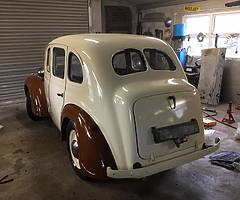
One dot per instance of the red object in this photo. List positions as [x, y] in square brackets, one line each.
[229, 118]
[209, 123]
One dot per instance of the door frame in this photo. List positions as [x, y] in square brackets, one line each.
[56, 114]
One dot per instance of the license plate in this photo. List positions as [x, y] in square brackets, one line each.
[175, 132]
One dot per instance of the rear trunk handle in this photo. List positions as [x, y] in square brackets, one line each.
[60, 94]
[173, 99]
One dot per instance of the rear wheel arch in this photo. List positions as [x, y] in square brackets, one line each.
[29, 106]
[92, 142]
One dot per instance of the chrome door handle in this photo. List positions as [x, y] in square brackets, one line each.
[60, 94]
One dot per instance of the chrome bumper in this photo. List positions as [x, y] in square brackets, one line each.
[162, 166]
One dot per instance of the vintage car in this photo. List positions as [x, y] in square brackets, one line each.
[122, 102]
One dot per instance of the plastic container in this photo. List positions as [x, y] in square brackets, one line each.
[182, 55]
[179, 30]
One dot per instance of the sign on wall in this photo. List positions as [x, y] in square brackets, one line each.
[191, 8]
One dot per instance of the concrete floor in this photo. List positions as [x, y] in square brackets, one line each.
[33, 155]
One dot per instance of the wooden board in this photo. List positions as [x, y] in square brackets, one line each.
[210, 80]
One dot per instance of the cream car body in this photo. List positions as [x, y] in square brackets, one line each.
[127, 107]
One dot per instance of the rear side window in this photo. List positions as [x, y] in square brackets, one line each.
[75, 72]
[58, 62]
[128, 61]
[158, 60]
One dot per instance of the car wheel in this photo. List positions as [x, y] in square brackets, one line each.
[30, 113]
[73, 150]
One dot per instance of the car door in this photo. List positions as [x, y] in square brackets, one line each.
[57, 83]
[47, 72]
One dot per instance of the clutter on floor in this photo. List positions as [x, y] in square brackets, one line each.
[227, 121]
[212, 113]
[3, 181]
[208, 123]
[237, 134]
[229, 117]
[227, 159]
[210, 135]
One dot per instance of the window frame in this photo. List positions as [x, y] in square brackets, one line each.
[125, 51]
[211, 33]
[53, 62]
[48, 59]
[81, 64]
[165, 55]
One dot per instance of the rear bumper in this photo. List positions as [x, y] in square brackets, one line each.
[162, 166]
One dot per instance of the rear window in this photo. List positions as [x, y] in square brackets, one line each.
[158, 60]
[129, 61]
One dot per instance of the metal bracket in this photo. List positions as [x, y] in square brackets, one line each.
[179, 141]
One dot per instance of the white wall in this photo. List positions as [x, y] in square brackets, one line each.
[231, 80]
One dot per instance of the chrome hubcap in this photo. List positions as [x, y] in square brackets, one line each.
[74, 148]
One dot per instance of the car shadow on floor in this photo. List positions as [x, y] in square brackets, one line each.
[164, 185]
[23, 118]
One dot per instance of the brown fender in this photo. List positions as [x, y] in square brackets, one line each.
[95, 154]
[34, 85]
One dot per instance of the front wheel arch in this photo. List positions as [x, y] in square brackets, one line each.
[26, 90]
[29, 107]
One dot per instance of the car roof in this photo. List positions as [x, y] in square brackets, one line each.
[97, 50]
[106, 40]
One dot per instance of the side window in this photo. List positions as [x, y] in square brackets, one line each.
[75, 72]
[58, 62]
[128, 62]
[48, 59]
[158, 60]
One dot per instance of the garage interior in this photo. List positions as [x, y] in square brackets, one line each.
[206, 38]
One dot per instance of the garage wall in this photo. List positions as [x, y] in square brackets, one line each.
[97, 23]
[120, 3]
[95, 16]
[26, 27]
[231, 81]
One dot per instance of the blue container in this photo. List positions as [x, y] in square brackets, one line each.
[179, 30]
[182, 55]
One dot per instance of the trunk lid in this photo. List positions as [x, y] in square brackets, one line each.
[164, 120]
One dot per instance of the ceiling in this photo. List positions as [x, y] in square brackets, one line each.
[146, 4]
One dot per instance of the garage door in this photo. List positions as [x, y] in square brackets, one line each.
[26, 27]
